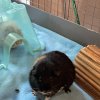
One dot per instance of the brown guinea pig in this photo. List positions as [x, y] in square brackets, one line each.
[51, 72]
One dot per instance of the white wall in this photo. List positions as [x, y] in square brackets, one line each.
[25, 1]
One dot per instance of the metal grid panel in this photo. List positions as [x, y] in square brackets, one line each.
[88, 10]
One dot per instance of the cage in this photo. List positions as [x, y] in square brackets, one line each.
[82, 12]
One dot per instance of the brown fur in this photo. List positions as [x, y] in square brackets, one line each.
[49, 74]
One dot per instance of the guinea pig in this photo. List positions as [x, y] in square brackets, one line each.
[52, 72]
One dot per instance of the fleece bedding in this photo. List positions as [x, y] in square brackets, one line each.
[14, 83]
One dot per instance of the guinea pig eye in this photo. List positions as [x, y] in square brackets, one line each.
[40, 79]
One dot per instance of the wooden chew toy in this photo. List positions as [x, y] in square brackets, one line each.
[87, 66]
